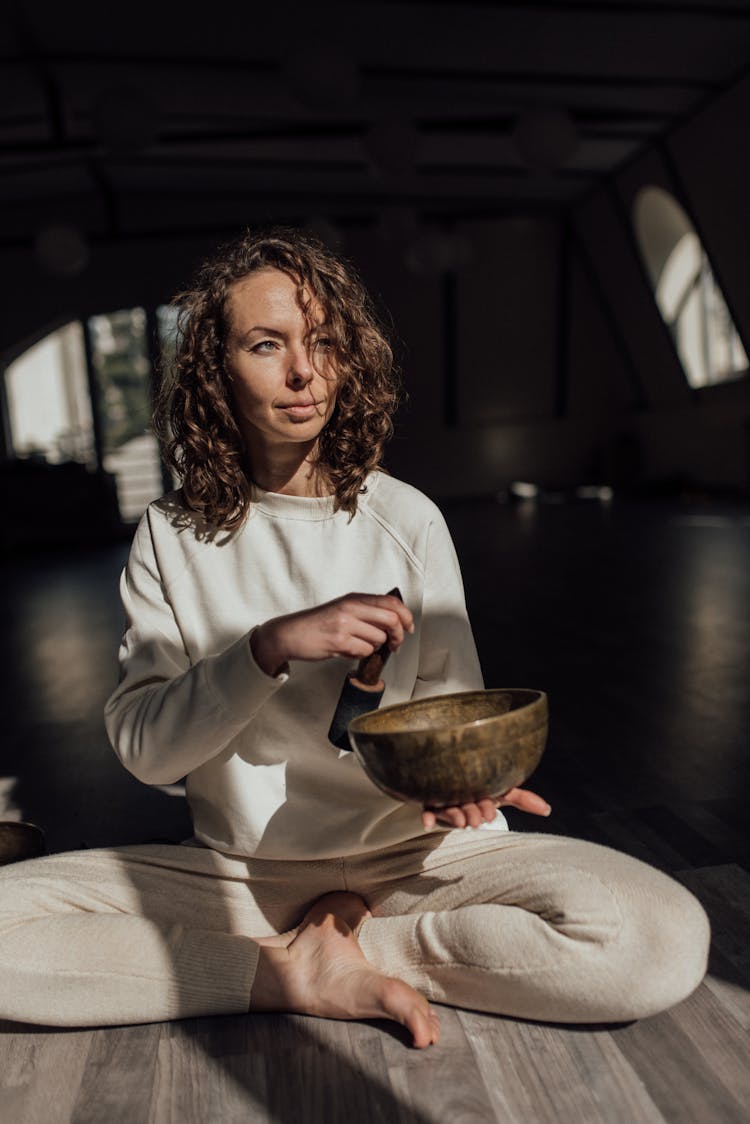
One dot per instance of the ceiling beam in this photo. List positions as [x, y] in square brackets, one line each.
[603, 7]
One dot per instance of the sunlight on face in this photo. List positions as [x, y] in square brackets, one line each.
[280, 364]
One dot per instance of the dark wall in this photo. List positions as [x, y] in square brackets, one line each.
[545, 356]
[120, 275]
[526, 383]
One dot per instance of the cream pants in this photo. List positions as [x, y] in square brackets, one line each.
[529, 925]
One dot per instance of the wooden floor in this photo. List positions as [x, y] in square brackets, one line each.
[635, 620]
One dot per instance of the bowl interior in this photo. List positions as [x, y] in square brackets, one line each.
[444, 712]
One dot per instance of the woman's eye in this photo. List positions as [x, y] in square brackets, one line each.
[263, 345]
[324, 343]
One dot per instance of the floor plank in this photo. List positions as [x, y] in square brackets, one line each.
[729, 986]
[724, 893]
[626, 832]
[690, 847]
[555, 1075]
[728, 844]
[721, 1039]
[41, 1073]
[677, 1074]
[117, 1080]
[441, 1083]
[194, 1081]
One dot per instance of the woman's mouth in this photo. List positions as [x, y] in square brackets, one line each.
[300, 409]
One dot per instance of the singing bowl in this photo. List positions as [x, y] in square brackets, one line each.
[20, 840]
[453, 749]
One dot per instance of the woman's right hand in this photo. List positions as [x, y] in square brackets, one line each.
[350, 627]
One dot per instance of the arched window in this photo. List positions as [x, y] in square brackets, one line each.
[49, 409]
[686, 291]
[50, 412]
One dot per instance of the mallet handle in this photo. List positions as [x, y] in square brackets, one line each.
[370, 668]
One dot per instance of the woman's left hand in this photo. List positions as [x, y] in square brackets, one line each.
[484, 811]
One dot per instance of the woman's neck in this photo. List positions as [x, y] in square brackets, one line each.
[291, 473]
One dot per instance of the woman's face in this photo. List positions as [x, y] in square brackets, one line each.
[280, 368]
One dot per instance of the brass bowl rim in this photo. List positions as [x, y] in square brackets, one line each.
[21, 823]
[540, 699]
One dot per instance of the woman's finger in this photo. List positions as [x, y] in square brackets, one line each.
[386, 603]
[361, 615]
[402, 611]
[369, 634]
[525, 801]
[454, 817]
[473, 814]
[488, 810]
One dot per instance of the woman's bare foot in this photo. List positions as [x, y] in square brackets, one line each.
[319, 969]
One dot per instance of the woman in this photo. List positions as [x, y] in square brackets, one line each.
[305, 888]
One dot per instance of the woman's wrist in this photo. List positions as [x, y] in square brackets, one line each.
[266, 650]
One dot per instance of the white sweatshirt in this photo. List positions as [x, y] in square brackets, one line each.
[262, 777]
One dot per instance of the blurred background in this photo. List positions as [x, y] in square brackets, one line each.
[549, 203]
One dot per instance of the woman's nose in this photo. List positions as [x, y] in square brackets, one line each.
[300, 368]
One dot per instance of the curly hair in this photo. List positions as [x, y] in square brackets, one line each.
[194, 419]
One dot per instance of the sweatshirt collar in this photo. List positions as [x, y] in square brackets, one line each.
[279, 506]
[309, 508]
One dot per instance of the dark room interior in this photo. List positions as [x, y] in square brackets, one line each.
[549, 202]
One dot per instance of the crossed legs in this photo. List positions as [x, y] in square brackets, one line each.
[534, 926]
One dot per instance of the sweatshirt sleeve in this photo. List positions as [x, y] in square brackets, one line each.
[448, 658]
[168, 716]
